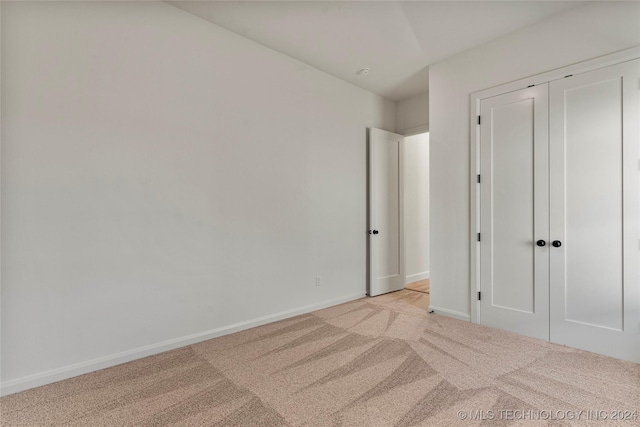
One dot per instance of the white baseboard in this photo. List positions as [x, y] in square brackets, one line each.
[451, 313]
[415, 277]
[70, 371]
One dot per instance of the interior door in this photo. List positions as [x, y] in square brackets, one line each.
[514, 194]
[594, 211]
[386, 264]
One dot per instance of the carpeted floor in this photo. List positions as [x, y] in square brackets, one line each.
[372, 362]
[417, 299]
[419, 286]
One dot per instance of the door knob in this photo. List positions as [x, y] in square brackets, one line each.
[557, 243]
[375, 231]
[541, 243]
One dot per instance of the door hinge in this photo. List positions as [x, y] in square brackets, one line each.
[478, 178]
[478, 119]
[479, 296]
[478, 237]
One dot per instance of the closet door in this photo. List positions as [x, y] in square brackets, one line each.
[514, 278]
[594, 211]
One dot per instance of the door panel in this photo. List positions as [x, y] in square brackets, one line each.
[595, 286]
[385, 219]
[593, 203]
[512, 179]
[514, 213]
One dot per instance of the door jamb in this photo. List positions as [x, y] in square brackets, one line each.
[474, 157]
[403, 261]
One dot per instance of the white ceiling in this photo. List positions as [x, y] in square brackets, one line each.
[398, 40]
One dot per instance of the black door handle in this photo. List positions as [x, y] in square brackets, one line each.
[556, 243]
[375, 231]
[541, 243]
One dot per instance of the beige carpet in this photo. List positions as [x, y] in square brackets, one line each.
[417, 299]
[372, 362]
[419, 286]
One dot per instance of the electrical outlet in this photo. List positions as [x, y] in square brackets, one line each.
[318, 281]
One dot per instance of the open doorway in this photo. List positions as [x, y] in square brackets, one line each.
[416, 217]
[398, 216]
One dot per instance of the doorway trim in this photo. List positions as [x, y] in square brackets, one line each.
[474, 157]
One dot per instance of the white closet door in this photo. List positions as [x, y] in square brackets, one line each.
[386, 263]
[514, 278]
[594, 211]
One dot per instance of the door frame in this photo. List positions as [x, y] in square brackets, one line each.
[474, 157]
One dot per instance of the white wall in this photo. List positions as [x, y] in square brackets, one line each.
[413, 114]
[416, 207]
[579, 34]
[163, 177]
